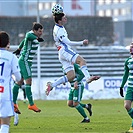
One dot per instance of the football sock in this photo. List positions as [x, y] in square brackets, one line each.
[130, 112]
[15, 92]
[85, 71]
[132, 123]
[81, 110]
[60, 80]
[24, 93]
[83, 105]
[29, 94]
[4, 128]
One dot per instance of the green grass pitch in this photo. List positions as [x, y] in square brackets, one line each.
[109, 116]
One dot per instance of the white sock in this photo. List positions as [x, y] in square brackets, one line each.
[86, 105]
[85, 71]
[4, 128]
[60, 80]
[86, 118]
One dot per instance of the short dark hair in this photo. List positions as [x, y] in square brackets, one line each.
[4, 39]
[58, 17]
[36, 26]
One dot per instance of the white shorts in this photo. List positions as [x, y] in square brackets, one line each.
[6, 108]
[67, 57]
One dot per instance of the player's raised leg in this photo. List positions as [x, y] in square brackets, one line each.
[81, 61]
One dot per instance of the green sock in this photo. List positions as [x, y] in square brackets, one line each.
[130, 112]
[81, 110]
[15, 92]
[132, 123]
[83, 105]
[29, 94]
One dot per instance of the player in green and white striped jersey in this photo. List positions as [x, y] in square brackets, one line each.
[29, 46]
[76, 92]
[128, 76]
[75, 95]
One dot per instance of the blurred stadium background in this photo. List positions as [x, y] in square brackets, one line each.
[106, 23]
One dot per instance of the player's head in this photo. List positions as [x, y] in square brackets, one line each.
[4, 39]
[60, 18]
[37, 29]
[131, 48]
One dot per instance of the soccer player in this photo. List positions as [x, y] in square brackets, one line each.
[16, 116]
[66, 55]
[8, 67]
[75, 95]
[128, 76]
[30, 45]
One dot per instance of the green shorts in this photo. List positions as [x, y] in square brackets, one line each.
[129, 94]
[76, 94]
[25, 69]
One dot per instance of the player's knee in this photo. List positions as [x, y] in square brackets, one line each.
[81, 61]
[70, 105]
[75, 104]
[71, 77]
[19, 83]
[28, 81]
[127, 107]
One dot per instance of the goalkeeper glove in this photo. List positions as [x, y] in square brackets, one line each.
[40, 40]
[121, 91]
[17, 52]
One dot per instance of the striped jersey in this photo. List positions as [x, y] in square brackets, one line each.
[30, 46]
[61, 38]
[128, 73]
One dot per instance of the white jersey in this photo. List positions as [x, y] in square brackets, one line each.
[61, 37]
[66, 55]
[8, 66]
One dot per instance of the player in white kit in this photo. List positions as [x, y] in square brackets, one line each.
[8, 67]
[66, 55]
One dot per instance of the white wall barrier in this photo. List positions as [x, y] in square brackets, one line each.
[104, 88]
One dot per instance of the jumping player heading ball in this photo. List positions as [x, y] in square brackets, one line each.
[67, 56]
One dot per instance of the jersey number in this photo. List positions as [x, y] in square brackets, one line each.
[1, 68]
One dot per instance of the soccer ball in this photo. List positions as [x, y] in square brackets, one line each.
[57, 9]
